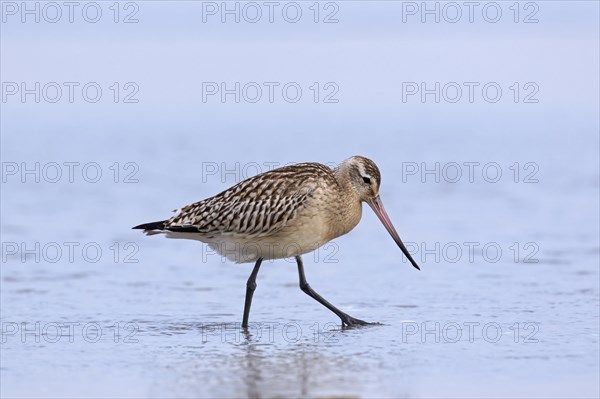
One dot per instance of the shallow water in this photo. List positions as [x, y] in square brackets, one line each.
[506, 303]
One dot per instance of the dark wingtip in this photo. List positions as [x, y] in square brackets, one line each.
[151, 226]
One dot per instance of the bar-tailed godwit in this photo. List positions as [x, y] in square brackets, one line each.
[283, 213]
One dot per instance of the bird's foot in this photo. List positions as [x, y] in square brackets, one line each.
[349, 321]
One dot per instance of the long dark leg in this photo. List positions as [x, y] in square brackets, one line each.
[250, 287]
[346, 319]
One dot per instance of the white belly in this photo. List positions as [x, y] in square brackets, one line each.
[302, 237]
[240, 250]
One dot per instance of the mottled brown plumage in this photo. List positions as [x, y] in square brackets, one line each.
[258, 206]
[283, 213]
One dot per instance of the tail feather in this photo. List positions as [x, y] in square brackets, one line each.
[151, 226]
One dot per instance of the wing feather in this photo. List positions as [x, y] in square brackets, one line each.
[258, 206]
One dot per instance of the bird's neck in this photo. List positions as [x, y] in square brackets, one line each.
[349, 207]
[342, 175]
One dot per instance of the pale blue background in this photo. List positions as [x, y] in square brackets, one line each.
[173, 290]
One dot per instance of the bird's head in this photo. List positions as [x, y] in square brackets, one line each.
[364, 178]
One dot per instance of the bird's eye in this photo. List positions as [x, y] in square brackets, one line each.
[367, 180]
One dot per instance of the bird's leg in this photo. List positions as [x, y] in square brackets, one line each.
[250, 287]
[304, 286]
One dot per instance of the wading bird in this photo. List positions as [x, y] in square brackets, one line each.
[282, 213]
